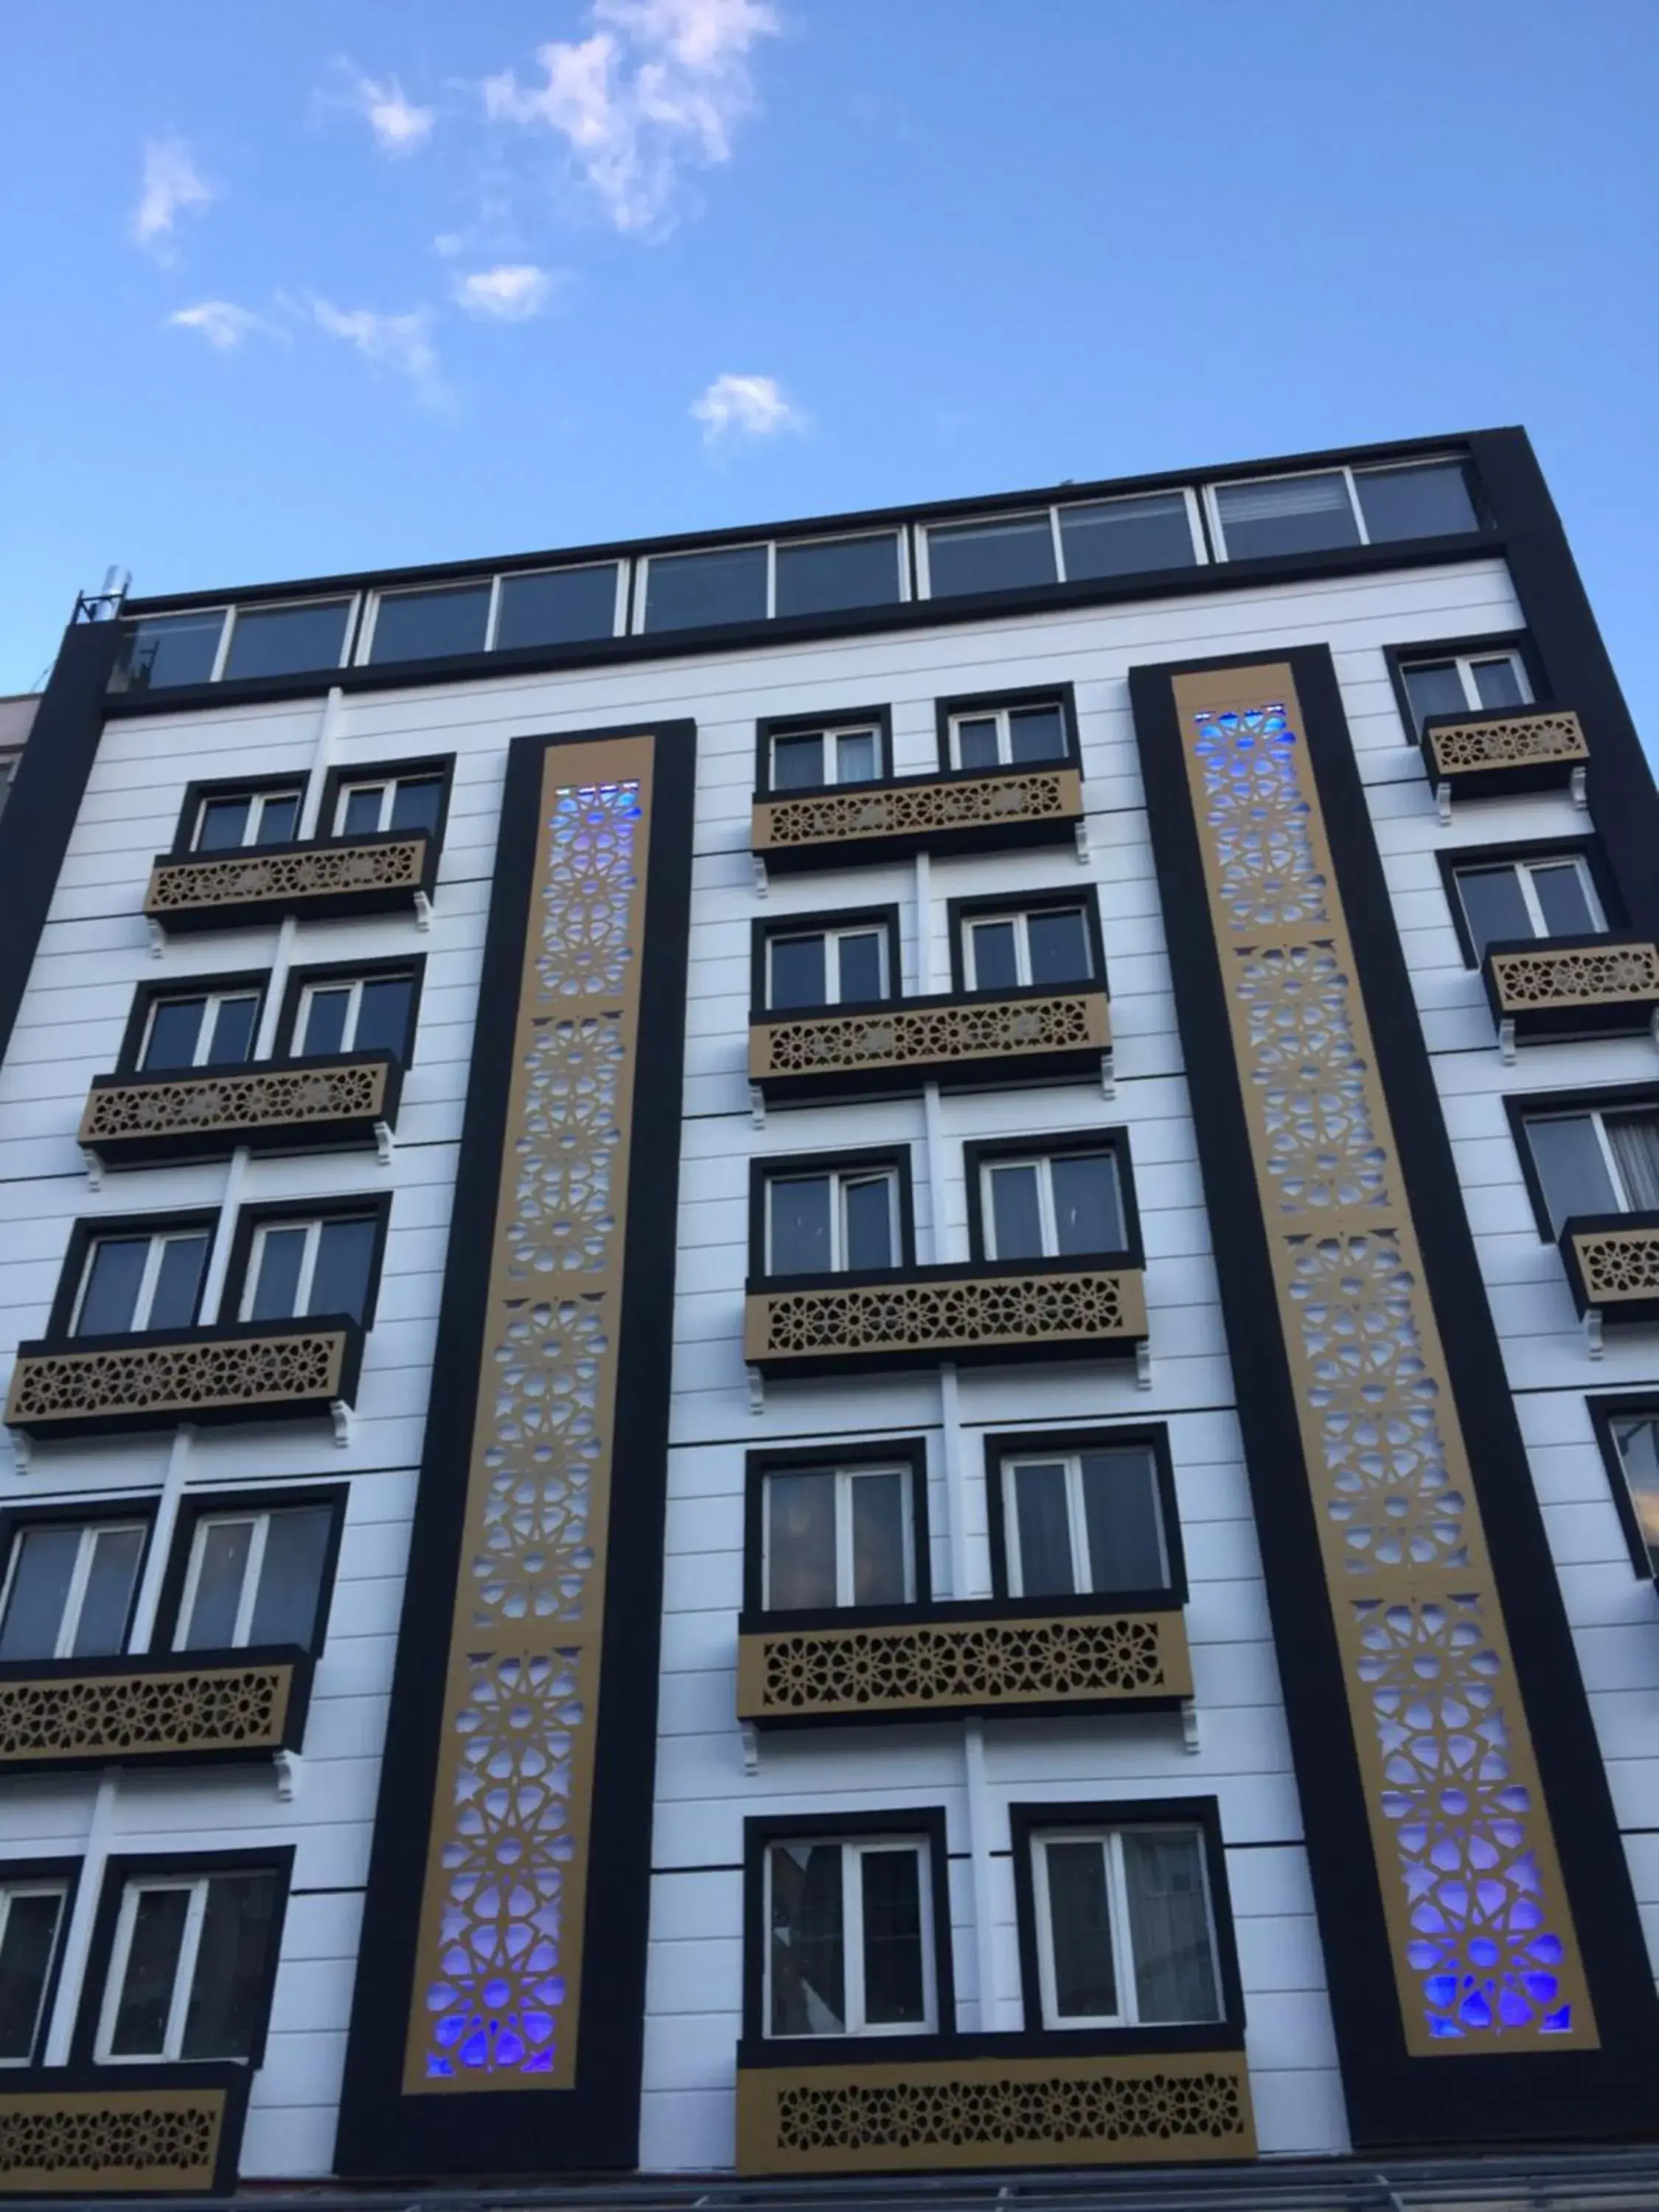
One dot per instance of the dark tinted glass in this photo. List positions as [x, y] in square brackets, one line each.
[1169, 1927]
[223, 824]
[1123, 537]
[860, 967]
[422, 625]
[806, 1961]
[1568, 1157]
[25, 1951]
[1016, 1214]
[1037, 733]
[340, 1282]
[1044, 1530]
[557, 609]
[798, 1208]
[283, 641]
[291, 1577]
[880, 1539]
[895, 1991]
[1085, 1978]
[1492, 906]
[1420, 503]
[1120, 1512]
[174, 1026]
[798, 972]
[107, 1597]
[360, 814]
[170, 649]
[383, 1015]
[848, 572]
[177, 1281]
[279, 820]
[233, 1032]
[995, 956]
[1434, 687]
[990, 557]
[800, 1542]
[1291, 514]
[1060, 946]
[976, 741]
[222, 1557]
[277, 1287]
[687, 591]
[416, 803]
[113, 1276]
[798, 762]
[1498, 682]
[326, 1020]
[1638, 1454]
[869, 1223]
[40, 1582]
[858, 757]
[140, 2018]
[1087, 1218]
[1560, 893]
[228, 1983]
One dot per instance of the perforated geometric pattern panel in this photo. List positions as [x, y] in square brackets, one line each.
[900, 1036]
[1518, 742]
[1619, 1263]
[1577, 975]
[1088, 1306]
[320, 872]
[148, 1715]
[265, 1098]
[182, 1378]
[56, 2142]
[830, 817]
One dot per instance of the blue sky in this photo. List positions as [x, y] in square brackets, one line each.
[311, 286]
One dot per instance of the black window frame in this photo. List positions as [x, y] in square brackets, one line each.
[22, 2075]
[1064, 695]
[420, 767]
[1056, 1144]
[1603, 1412]
[348, 971]
[146, 994]
[196, 1506]
[959, 912]
[1001, 1444]
[197, 795]
[86, 1230]
[886, 918]
[336, 1205]
[858, 1160]
[1587, 846]
[76, 1513]
[908, 1451]
[805, 725]
[1518, 642]
[1520, 1106]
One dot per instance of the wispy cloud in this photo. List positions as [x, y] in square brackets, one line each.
[659, 83]
[739, 407]
[399, 125]
[172, 183]
[512, 293]
[402, 344]
[221, 322]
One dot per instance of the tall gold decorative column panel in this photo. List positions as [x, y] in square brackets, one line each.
[1454, 1877]
[502, 1970]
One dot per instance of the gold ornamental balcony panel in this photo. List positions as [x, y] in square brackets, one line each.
[1612, 1265]
[206, 1112]
[157, 1710]
[918, 814]
[956, 1663]
[326, 878]
[909, 1041]
[1510, 749]
[143, 2130]
[1574, 986]
[247, 1371]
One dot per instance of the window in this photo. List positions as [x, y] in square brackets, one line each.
[424, 625]
[1010, 951]
[819, 576]
[839, 1220]
[1095, 537]
[165, 650]
[837, 1536]
[1419, 499]
[1008, 736]
[808, 760]
[997, 555]
[1635, 1440]
[1089, 1522]
[355, 1013]
[405, 803]
[300, 1268]
[1597, 1161]
[1125, 1933]
[1054, 1207]
[130, 1283]
[190, 1967]
[1465, 683]
[1327, 509]
[557, 606]
[226, 822]
[208, 1028]
[286, 640]
[254, 1577]
[826, 968]
[1127, 537]
[689, 591]
[849, 1938]
[1553, 896]
[67, 1589]
[31, 1918]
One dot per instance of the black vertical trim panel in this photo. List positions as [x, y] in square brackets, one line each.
[595, 2124]
[1393, 2099]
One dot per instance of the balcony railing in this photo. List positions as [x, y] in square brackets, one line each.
[161, 1709]
[967, 1658]
[391, 872]
[1613, 1267]
[337, 1100]
[972, 1313]
[958, 1038]
[266, 1370]
[1509, 749]
[1572, 987]
[962, 812]
[89, 2133]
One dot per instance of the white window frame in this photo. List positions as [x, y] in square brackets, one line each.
[147, 1280]
[854, 1850]
[353, 608]
[194, 614]
[257, 802]
[259, 1518]
[828, 734]
[832, 939]
[1596, 1116]
[1003, 718]
[1465, 664]
[1117, 1893]
[314, 1228]
[1343, 469]
[1020, 916]
[183, 1972]
[388, 786]
[371, 620]
[1188, 495]
[1046, 1221]
[1077, 1519]
[75, 1596]
[844, 1479]
[39, 1885]
[619, 602]
[841, 1180]
[769, 545]
[353, 987]
[1523, 869]
[925, 527]
[216, 1000]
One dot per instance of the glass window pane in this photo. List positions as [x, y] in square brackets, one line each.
[174, 1026]
[995, 964]
[860, 967]
[140, 2018]
[798, 762]
[1498, 682]
[1080, 1924]
[1121, 1516]
[1561, 897]
[1016, 1212]
[806, 1957]
[326, 1020]
[416, 802]
[277, 1285]
[39, 1590]
[798, 1213]
[1169, 1926]
[869, 1221]
[222, 1550]
[686, 590]
[1494, 906]
[1087, 1217]
[800, 1542]
[858, 757]
[223, 824]
[1570, 1168]
[1634, 1141]
[234, 1023]
[895, 1987]
[976, 742]
[990, 557]
[422, 625]
[25, 1949]
[340, 1283]
[1434, 687]
[880, 1538]
[177, 1281]
[226, 1989]
[558, 609]
[279, 820]
[798, 972]
[1060, 947]
[113, 1276]
[1415, 502]
[1292, 514]
[1123, 537]
[106, 1599]
[847, 572]
[171, 649]
[361, 815]
[291, 1577]
[1037, 733]
[1044, 1526]
[1638, 1454]
[283, 640]
[383, 1014]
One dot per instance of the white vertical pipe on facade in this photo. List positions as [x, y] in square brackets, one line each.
[160, 1541]
[77, 1936]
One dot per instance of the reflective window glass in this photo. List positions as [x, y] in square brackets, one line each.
[221, 2020]
[1563, 899]
[800, 1542]
[286, 641]
[1638, 1441]
[1430, 500]
[164, 650]
[416, 803]
[858, 755]
[1571, 1166]
[360, 814]
[976, 741]
[990, 557]
[1043, 1531]
[690, 591]
[869, 1221]
[880, 1535]
[859, 958]
[559, 606]
[276, 1283]
[30, 1915]
[156, 1939]
[1035, 733]
[1080, 1931]
[279, 820]
[1498, 682]
[424, 625]
[799, 977]
[234, 1021]
[1434, 687]
[339, 1283]
[1169, 1926]
[1494, 906]
[42, 1572]
[1125, 536]
[115, 1275]
[806, 1947]
[1086, 1213]
[798, 762]
[1017, 1210]
[1122, 1521]
[173, 1303]
[223, 824]
[996, 955]
[1060, 946]
[100, 1626]
[326, 1013]
[1287, 515]
[843, 572]
[383, 1014]
[174, 1026]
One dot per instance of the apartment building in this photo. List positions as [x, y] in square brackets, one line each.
[835, 1351]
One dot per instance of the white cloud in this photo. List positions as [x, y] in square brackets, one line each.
[220, 322]
[172, 183]
[400, 343]
[658, 83]
[512, 293]
[744, 407]
[399, 126]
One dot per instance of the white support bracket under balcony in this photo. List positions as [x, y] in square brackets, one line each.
[756, 1390]
[1578, 785]
[762, 883]
[290, 1770]
[1506, 1040]
[340, 1414]
[158, 936]
[756, 1106]
[94, 1167]
[1083, 843]
[422, 911]
[1108, 1074]
[384, 1143]
[1443, 804]
[1144, 1364]
[749, 1738]
[1189, 1738]
[1593, 1332]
